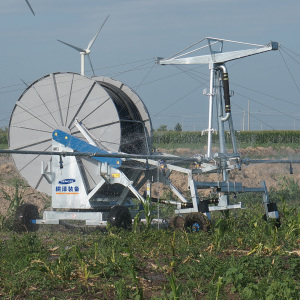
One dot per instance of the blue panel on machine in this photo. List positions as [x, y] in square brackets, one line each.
[82, 146]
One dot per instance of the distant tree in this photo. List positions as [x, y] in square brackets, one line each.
[162, 128]
[4, 130]
[178, 127]
[4, 137]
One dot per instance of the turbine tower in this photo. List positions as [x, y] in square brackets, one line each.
[27, 1]
[87, 51]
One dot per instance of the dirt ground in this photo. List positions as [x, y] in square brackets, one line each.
[250, 175]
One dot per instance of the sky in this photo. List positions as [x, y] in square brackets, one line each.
[266, 86]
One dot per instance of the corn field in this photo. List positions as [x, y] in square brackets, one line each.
[253, 138]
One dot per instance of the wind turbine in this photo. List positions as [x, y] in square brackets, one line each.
[86, 52]
[30, 7]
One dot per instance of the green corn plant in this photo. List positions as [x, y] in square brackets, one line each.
[113, 256]
[2, 221]
[219, 285]
[148, 208]
[220, 229]
[173, 243]
[14, 201]
[136, 222]
[84, 270]
[176, 289]
[139, 294]
[63, 268]
[42, 267]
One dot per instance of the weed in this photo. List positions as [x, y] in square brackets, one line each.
[236, 275]
[122, 291]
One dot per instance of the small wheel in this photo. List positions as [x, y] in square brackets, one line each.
[177, 222]
[119, 216]
[24, 215]
[274, 222]
[196, 222]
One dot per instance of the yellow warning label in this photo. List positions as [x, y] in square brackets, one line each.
[115, 175]
[67, 193]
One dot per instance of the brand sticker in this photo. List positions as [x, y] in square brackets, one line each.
[66, 181]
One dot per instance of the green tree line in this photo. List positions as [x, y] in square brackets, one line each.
[4, 137]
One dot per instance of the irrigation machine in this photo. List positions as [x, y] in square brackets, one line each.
[87, 142]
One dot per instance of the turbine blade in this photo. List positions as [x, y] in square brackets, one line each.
[94, 38]
[91, 64]
[74, 47]
[27, 1]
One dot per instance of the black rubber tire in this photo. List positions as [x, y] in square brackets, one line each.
[120, 217]
[177, 222]
[195, 222]
[23, 216]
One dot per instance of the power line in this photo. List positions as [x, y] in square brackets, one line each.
[256, 117]
[281, 46]
[102, 68]
[290, 73]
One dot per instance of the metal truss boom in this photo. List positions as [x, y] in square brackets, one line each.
[219, 58]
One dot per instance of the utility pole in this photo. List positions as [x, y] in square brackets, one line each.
[248, 115]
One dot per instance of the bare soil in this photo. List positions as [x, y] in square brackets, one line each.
[9, 177]
[250, 175]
